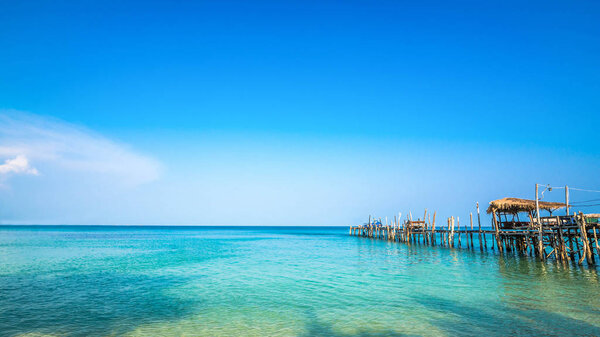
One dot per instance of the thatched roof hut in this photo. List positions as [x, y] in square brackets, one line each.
[516, 205]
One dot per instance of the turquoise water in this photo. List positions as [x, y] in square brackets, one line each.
[140, 281]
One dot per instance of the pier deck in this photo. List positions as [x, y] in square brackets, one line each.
[570, 239]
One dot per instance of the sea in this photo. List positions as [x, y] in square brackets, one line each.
[278, 281]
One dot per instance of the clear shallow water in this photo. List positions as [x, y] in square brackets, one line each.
[136, 281]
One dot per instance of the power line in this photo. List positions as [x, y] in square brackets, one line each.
[583, 202]
[550, 188]
[583, 190]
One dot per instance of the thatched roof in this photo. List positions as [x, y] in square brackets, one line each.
[516, 205]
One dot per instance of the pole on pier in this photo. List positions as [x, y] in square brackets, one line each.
[448, 232]
[424, 229]
[429, 238]
[528, 235]
[596, 240]
[498, 243]
[458, 230]
[452, 233]
[567, 199]
[479, 224]
[471, 233]
[399, 226]
[584, 240]
[561, 244]
[540, 231]
[433, 229]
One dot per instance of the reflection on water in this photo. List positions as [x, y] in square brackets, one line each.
[97, 281]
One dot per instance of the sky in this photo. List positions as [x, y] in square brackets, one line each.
[292, 112]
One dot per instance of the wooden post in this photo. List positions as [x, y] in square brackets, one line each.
[452, 232]
[400, 230]
[424, 229]
[570, 240]
[574, 236]
[429, 233]
[400, 227]
[553, 244]
[471, 234]
[590, 249]
[584, 241]
[540, 230]
[458, 229]
[528, 236]
[596, 240]
[479, 224]
[407, 229]
[384, 230]
[567, 199]
[433, 229]
[448, 233]
[444, 236]
[405, 224]
[561, 243]
[590, 253]
[495, 222]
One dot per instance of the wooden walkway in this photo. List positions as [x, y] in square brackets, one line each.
[569, 239]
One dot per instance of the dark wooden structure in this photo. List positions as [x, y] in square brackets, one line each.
[517, 227]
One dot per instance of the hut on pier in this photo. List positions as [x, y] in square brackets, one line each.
[519, 213]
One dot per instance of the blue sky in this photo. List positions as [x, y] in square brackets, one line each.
[291, 113]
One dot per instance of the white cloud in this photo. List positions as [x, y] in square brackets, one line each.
[19, 164]
[26, 138]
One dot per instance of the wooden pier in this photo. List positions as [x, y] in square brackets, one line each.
[567, 238]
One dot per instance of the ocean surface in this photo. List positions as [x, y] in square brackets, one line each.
[274, 281]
